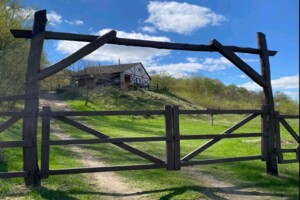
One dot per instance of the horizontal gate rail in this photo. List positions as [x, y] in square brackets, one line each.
[217, 111]
[12, 174]
[104, 140]
[8, 144]
[14, 117]
[101, 135]
[106, 169]
[215, 140]
[14, 113]
[47, 114]
[220, 160]
[280, 119]
[287, 116]
[134, 42]
[218, 136]
[105, 113]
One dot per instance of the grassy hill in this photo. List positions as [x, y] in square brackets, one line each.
[216, 181]
[112, 98]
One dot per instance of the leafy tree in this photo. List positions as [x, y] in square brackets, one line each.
[13, 52]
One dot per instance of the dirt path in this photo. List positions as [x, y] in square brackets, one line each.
[105, 182]
[115, 187]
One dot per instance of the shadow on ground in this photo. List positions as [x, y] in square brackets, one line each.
[168, 193]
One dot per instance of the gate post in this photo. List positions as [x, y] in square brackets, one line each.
[269, 125]
[170, 139]
[45, 148]
[30, 154]
[176, 135]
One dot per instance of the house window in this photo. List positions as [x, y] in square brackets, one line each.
[139, 69]
[138, 81]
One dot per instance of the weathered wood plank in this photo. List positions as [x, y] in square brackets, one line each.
[103, 140]
[9, 144]
[106, 113]
[106, 169]
[176, 135]
[14, 98]
[217, 111]
[288, 151]
[84, 51]
[218, 136]
[290, 129]
[45, 149]
[14, 113]
[220, 160]
[101, 135]
[31, 106]
[5, 125]
[288, 116]
[278, 140]
[12, 174]
[265, 137]
[213, 141]
[135, 42]
[271, 161]
[238, 62]
[290, 161]
[169, 136]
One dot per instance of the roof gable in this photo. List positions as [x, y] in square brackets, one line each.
[109, 69]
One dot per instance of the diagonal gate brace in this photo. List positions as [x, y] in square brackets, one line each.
[237, 61]
[213, 141]
[84, 51]
[101, 135]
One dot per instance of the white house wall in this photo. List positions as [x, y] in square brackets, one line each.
[134, 73]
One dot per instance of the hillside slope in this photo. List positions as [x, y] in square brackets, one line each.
[115, 99]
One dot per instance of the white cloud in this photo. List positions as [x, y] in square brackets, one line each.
[54, 18]
[181, 18]
[111, 53]
[74, 22]
[148, 29]
[286, 82]
[192, 66]
[243, 76]
[192, 59]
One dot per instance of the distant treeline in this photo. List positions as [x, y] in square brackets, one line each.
[211, 93]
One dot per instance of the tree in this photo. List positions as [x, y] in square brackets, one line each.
[13, 52]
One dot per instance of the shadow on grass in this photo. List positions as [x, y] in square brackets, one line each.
[42, 192]
[168, 193]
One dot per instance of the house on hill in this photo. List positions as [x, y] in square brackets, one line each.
[123, 75]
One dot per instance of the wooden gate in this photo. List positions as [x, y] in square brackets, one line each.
[270, 131]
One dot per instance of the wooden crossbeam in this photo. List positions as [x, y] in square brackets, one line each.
[84, 51]
[14, 98]
[134, 42]
[237, 61]
[290, 129]
[213, 141]
[5, 125]
[101, 135]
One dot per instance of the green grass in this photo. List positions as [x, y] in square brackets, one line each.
[187, 183]
[55, 187]
[245, 174]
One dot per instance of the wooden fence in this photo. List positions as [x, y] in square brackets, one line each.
[270, 133]
[172, 138]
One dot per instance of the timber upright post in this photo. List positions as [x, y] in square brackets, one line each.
[268, 124]
[30, 154]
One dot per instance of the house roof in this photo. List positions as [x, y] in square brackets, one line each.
[109, 69]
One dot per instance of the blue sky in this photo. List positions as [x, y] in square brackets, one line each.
[231, 22]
